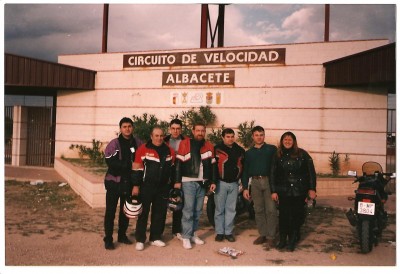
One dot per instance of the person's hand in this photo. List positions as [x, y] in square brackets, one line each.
[274, 197]
[312, 194]
[213, 187]
[246, 194]
[178, 185]
[135, 191]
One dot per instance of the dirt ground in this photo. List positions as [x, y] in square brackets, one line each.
[49, 225]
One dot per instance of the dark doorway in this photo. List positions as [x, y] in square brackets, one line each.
[40, 137]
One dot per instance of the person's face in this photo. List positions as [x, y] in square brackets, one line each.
[175, 130]
[287, 142]
[126, 130]
[229, 139]
[157, 137]
[258, 137]
[199, 132]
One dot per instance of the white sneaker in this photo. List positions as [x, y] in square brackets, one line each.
[178, 236]
[158, 243]
[195, 239]
[139, 246]
[186, 244]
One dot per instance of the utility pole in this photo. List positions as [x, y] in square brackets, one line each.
[105, 29]
[327, 14]
[203, 27]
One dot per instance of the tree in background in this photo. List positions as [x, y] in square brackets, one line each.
[144, 124]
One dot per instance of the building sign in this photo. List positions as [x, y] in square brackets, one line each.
[196, 98]
[217, 57]
[225, 77]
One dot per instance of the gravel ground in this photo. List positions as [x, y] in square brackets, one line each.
[49, 225]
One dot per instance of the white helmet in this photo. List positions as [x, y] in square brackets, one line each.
[133, 207]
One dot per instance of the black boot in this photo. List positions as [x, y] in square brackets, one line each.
[282, 241]
[108, 243]
[297, 235]
[292, 241]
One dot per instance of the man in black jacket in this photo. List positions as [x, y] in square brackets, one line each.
[173, 140]
[119, 155]
[229, 158]
[152, 173]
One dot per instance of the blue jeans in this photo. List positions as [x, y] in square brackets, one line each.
[225, 198]
[193, 195]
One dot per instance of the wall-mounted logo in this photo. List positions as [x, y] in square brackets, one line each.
[196, 98]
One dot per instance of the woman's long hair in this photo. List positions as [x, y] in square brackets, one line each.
[296, 152]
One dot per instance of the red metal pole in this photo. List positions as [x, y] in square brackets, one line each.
[105, 28]
[203, 27]
[327, 14]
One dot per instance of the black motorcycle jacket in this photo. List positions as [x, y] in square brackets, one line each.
[293, 176]
[153, 165]
[119, 155]
[189, 157]
[230, 161]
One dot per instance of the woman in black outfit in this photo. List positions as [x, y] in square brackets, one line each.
[293, 181]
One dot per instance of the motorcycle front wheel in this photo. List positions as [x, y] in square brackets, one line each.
[365, 237]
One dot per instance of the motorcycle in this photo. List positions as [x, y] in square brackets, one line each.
[242, 206]
[369, 215]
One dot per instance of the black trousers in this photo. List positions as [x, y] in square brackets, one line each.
[155, 199]
[176, 222]
[114, 192]
[291, 214]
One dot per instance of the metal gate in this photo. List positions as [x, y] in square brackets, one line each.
[391, 141]
[8, 133]
[40, 137]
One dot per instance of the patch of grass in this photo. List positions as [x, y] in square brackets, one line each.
[88, 165]
[47, 208]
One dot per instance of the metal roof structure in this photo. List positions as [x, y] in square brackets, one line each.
[374, 67]
[24, 74]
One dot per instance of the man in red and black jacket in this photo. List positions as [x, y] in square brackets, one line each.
[230, 159]
[195, 173]
[152, 173]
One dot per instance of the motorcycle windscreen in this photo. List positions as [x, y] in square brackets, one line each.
[369, 168]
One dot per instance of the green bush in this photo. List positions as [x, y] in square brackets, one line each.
[95, 154]
[334, 163]
[143, 125]
[215, 136]
[244, 134]
[189, 118]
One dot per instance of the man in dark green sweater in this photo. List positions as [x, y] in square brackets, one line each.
[257, 168]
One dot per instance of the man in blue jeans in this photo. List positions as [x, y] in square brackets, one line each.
[195, 173]
[230, 159]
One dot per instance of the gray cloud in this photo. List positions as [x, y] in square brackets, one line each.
[45, 31]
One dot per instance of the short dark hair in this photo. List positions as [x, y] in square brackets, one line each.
[257, 128]
[176, 121]
[199, 124]
[227, 131]
[125, 120]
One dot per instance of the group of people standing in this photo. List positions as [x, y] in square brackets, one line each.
[282, 177]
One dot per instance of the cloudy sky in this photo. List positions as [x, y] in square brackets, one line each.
[45, 31]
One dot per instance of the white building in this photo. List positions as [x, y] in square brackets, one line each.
[281, 87]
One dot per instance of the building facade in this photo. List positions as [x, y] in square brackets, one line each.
[280, 87]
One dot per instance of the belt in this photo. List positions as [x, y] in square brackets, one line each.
[258, 177]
